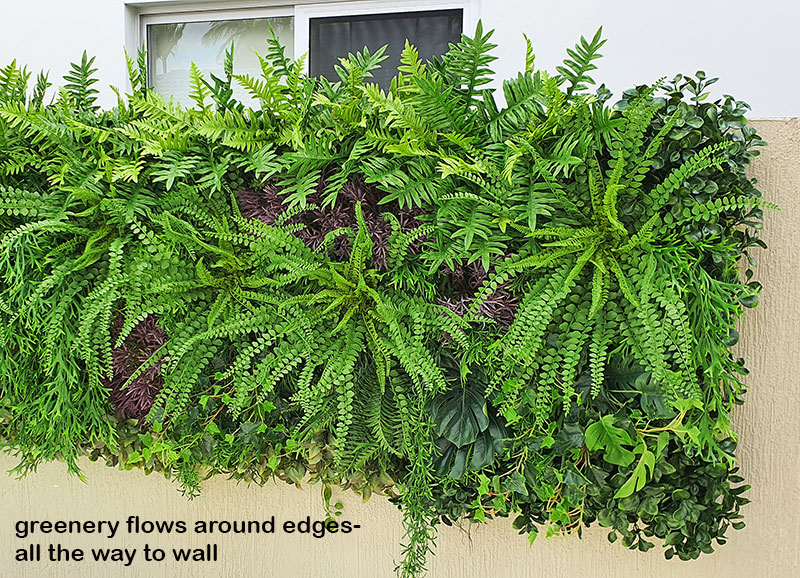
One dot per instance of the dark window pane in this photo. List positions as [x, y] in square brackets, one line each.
[331, 38]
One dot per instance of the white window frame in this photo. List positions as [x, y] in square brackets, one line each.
[142, 13]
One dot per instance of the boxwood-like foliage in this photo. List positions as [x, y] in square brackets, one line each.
[477, 306]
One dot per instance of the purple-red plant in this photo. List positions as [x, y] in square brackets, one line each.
[135, 400]
[465, 280]
[267, 205]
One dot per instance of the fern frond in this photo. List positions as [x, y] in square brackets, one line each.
[79, 81]
[580, 62]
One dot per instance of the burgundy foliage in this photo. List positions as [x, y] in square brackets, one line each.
[267, 206]
[465, 281]
[136, 400]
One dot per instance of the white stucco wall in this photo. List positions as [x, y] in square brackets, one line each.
[750, 46]
[49, 34]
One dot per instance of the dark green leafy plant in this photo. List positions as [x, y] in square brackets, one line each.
[470, 435]
[475, 309]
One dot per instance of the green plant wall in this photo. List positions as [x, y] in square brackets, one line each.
[477, 306]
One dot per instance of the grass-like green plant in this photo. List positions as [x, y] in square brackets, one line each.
[477, 309]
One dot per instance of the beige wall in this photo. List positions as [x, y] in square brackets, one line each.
[770, 459]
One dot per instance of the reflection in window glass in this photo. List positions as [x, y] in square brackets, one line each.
[173, 47]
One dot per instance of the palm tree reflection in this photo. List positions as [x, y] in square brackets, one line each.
[165, 37]
[222, 33]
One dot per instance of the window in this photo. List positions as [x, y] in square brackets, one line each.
[431, 32]
[177, 34]
[174, 46]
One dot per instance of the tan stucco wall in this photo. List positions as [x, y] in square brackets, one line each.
[769, 426]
